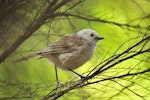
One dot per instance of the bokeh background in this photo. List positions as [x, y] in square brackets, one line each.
[121, 22]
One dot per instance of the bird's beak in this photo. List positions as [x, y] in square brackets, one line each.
[99, 38]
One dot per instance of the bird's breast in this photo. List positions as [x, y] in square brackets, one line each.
[77, 58]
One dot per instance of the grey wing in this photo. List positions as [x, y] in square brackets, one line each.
[55, 49]
[64, 45]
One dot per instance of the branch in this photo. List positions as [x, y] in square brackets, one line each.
[81, 83]
[86, 81]
[119, 55]
[121, 76]
[48, 13]
[97, 20]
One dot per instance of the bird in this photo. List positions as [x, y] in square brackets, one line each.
[69, 52]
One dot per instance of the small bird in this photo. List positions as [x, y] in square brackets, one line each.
[69, 52]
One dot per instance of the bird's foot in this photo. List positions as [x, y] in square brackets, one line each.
[59, 85]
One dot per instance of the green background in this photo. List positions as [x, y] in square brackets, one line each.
[20, 79]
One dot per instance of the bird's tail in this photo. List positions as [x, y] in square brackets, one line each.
[25, 58]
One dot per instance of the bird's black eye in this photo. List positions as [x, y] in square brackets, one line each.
[92, 35]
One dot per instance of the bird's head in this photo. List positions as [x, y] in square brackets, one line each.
[90, 35]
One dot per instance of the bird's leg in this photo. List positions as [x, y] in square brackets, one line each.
[57, 81]
[77, 73]
[58, 84]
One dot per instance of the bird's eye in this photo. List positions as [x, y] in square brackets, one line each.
[92, 35]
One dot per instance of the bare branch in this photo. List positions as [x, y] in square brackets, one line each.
[85, 81]
[97, 20]
[48, 13]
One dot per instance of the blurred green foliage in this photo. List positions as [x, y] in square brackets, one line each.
[24, 77]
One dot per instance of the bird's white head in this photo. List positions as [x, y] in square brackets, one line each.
[90, 35]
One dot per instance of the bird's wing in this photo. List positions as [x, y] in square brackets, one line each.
[64, 45]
